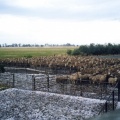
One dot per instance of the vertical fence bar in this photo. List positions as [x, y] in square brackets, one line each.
[106, 107]
[33, 82]
[81, 94]
[13, 84]
[70, 70]
[101, 90]
[55, 69]
[48, 85]
[113, 100]
[118, 90]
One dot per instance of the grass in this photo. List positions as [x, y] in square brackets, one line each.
[32, 52]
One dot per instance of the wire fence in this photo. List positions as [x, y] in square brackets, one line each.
[111, 99]
[6, 81]
[34, 80]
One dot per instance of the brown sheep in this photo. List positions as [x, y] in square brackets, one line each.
[93, 79]
[98, 78]
[112, 80]
[103, 78]
[62, 79]
[83, 77]
[74, 78]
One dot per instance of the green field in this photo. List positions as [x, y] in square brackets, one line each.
[32, 51]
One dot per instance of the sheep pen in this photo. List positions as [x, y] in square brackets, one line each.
[85, 76]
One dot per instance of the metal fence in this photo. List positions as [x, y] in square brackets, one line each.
[7, 81]
[111, 99]
[47, 82]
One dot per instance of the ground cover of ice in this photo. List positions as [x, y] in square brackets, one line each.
[16, 104]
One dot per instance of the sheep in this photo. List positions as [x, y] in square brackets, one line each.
[83, 77]
[93, 79]
[103, 78]
[86, 65]
[62, 79]
[98, 78]
[112, 80]
[74, 78]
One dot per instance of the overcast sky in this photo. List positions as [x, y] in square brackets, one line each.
[59, 21]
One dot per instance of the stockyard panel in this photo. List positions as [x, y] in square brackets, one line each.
[48, 83]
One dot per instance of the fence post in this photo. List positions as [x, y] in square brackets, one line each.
[70, 70]
[13, 84]
[81, 94]
[33, 82]
[48, 81]
[101, 90]
[118, 90]
[113, 102]
[106, 106]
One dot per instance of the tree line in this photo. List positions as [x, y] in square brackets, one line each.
[98, 49]
[34, 45]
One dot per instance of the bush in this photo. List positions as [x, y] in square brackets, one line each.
[69, 52]
[76, 52]
[98, 49]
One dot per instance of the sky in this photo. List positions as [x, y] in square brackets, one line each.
[76, 22]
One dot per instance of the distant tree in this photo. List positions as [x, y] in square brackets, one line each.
[68, 44]
[83, 49]
[19, 45]
[98, 49]
[76, 52]
[5, 45]
[42, 45]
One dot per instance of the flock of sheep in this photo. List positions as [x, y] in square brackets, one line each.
[92, 69]
[78, 78]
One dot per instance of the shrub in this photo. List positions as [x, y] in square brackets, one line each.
[98, 49]
[76, 52]
[69, 52]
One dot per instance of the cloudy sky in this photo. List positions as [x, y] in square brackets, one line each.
[59, 21]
